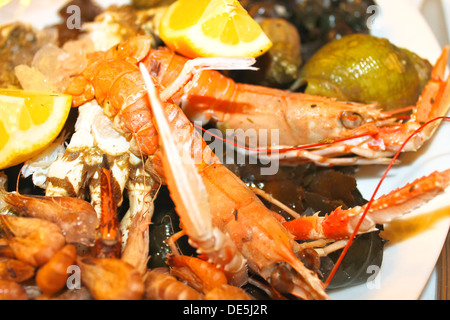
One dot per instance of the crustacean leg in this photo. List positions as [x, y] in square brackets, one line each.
[340, 224]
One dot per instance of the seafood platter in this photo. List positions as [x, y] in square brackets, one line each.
[221, 150]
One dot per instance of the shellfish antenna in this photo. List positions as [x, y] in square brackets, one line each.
[369, 204]
[279, 150]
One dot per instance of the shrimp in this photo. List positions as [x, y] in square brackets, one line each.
[309, 127]
[162, 286]
[52, 276]
[137, 248]
[15, 270]
[227, 292]
[237, 212]
[76, 218]
[32, 240]
[200, 274]
[11, 290]
[205, 277]
[111, 279]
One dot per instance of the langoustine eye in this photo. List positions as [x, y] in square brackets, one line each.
[351, 120]
[281, 277]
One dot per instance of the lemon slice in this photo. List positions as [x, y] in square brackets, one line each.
[29, 122]
[212, 28]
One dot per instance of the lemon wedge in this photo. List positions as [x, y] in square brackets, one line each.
[29, 122]
[212, 28]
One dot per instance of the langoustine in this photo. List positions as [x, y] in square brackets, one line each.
[238, 211]
[309, 127]
[342, 224]
[127, 103]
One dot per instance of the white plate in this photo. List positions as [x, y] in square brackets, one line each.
[407, 264]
